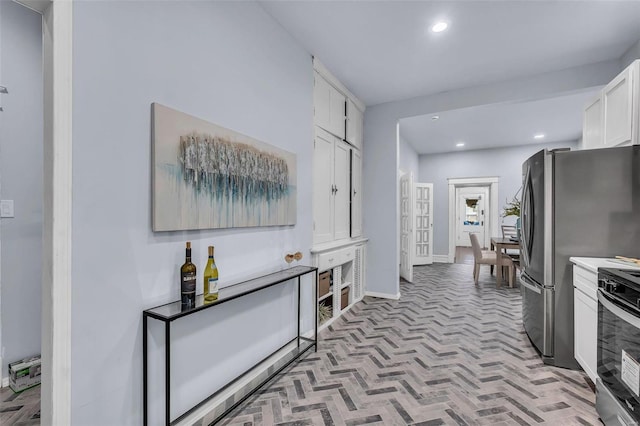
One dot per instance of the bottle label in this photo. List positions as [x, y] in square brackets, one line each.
[188, 283]
[213, 285]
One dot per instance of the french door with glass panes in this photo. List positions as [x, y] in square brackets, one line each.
[423, 224]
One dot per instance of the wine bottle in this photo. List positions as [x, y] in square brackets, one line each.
[210, 279]
[188, 281]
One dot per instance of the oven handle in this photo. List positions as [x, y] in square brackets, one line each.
[526, 282]
[617, 311]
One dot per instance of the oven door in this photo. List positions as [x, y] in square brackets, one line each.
[619, 351]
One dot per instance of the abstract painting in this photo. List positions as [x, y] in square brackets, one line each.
[206, 176]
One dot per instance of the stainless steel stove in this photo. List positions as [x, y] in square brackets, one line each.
[618, 384]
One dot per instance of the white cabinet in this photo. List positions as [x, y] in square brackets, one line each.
[613, 117]
[585, 313]
[345, 264]
[592, 124]
[355, 124]
[329, 107]
[619, 117]
[342, 186]
[331, 187]
[356, 193]
[337, 163]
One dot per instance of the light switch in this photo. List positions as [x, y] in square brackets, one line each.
[6, 208]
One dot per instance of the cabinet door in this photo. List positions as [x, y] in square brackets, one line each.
[323, 198]
[354, 125]
[586, 332]
[322, 102]
[342, 190]
[337, 113]
[356, 193]
[618, 111]
[592, 124]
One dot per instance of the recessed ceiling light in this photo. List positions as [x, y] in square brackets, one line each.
[459, 144]
[435, 117]
[539, 136]
[438, 27]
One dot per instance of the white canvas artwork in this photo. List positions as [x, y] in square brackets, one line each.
[206, 176]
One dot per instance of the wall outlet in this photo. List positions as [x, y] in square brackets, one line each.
[6, 208]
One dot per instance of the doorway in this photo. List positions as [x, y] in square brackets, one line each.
[423, 223]
[471, 214]
[489, 203]
[406, 228]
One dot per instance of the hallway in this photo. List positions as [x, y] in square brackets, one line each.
[446, 353]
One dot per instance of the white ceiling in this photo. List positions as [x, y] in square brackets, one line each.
[382, 50]
[499, 125]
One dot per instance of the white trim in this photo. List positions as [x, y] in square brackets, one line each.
[382, 295]
[492, 182]
[332, 80]
[5, 382]
[333, 245]
[473, 181]
[56, 270]
[441, 258]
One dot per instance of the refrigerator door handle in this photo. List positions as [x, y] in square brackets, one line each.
[524, 220]
[526, 282]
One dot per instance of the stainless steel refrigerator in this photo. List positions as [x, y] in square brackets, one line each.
[574, 203]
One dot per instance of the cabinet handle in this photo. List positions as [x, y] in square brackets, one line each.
[336, 189]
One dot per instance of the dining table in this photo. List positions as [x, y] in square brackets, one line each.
[500, 244]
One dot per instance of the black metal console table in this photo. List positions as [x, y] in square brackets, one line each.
[173, 311]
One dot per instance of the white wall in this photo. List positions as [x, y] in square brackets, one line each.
[407, 158]
[630, 55]
[228, 63]
[381, 153]
[21, 148]
[506, 163]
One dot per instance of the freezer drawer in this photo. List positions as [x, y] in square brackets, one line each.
[537, 314]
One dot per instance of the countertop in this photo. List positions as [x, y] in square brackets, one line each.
[593, 263]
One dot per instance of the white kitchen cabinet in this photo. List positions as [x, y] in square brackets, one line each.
[619, 116]
[331, 188]
[355, 124]
[592, 136]
[329, 107]
[356, 193]
[585, 312]
[613, 117]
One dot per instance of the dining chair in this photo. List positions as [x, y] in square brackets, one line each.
[489, 257]
[510, 231]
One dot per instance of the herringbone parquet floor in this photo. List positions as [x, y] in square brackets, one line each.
[446, 353]
[20, 409]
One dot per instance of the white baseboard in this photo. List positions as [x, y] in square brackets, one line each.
[5, 382]
[382, 295]
[440, 258]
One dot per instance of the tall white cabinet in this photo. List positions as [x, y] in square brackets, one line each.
[613, 117]
[338, 246]
[331, 187]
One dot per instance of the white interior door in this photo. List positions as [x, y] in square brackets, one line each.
[406, 228]
[471, 215]
[423, 224]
